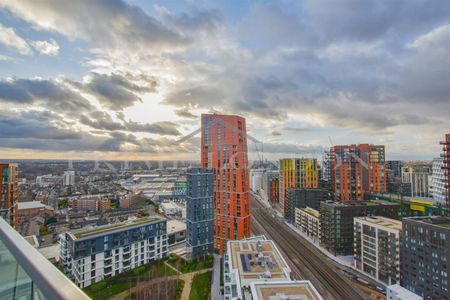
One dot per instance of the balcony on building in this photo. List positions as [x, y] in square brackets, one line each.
[26, 274]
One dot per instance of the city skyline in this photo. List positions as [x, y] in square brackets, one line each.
[128, 79]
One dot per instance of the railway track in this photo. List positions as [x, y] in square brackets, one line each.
[308, 262]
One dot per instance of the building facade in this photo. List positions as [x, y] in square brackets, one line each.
[93, 254]
[270, 186]
[301, 198]
[425, 256]
[336, 220]
[397, 292]
[199, 212]
[89, 203]
[417, 176]
[357, 170]
[9, 193]
[297, 173]
[446, 168]
[224, 149]
[377, 248]
[308, 221]
[32, 215]
[396, 167]
[438, 189]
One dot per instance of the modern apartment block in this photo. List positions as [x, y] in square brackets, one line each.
[69, 177]
[224, 149]
[256, 179]
[336, 220]
[199, 212]
[357, 170]
[438, 189]
[297, 173]
[308, 221]
[396, 167]
[270, 187]
[257, 263]
[425, 256]
[417, 176]
[93, 253]
[9, 193]
[446, 155]
[377, 248]
[301, 198]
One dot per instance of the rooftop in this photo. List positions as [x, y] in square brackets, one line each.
[433, 220]
[93, 231]
[360, 203]
[284, 290]
[310, 211]
[382, 221]
[175, 226]
[257, 259]
[403, 293]
[31, 205]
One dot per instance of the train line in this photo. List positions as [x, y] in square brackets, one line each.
[306, 261]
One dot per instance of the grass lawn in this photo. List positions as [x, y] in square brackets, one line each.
[191, 265]
[122, 282]
[201, 287]
[180, 289]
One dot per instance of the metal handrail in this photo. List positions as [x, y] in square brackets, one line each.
[51, 282]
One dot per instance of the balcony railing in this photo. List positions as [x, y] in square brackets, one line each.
[26, 274]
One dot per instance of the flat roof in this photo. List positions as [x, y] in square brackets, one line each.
[360, 203]
[175, 226]
[258, 259]
[104, 229]
[303, 290]
[433, 220]
[310, 211]
[403, 293]
[381, 221]
[30, 205]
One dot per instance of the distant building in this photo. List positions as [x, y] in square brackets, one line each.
[425, 256]
[438, 189]
[29, 212]
[396, 167]
[93, 254]
[69, 177]
[270, 186]
[308, 221]
[336, 220]
[256, 179]
[49, 180]
[417, 176]
[357, 170]
[397, 292]
[377, 248]
[301, 198]
[257, 263]
[199, 212]
[9, 193]
[297, 173]
[170, 208]
[224, 149]
[89, 203]
[176, 232]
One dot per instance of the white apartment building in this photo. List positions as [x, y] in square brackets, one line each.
[437, 186]
[69, 177]
[255, 264]
[256, 179]
[93, 254]
[308, 221]
[377, 248]
[418, 177]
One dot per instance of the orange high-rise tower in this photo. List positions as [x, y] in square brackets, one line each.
[9, 193]
[357, 170]
[224, 149]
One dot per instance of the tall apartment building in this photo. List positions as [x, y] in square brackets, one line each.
[396, 167]
[336, 220]
[224, 149]
[256, 179]
[377, 248]
[93, 254]
[425, 256]
[301, 198]
[357, 170]
[9, 193]
[297, 173]
[438, 189]
[255, 269]
[417, 176]
[269, 188]
[199, 212]
[69, 177]
[446, 155]
[308, 221]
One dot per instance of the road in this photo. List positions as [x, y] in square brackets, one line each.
[305, 261]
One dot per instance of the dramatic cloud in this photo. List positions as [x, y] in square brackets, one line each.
[50, 48]
[9, 38]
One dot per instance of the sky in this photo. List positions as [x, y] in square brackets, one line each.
[116, 79]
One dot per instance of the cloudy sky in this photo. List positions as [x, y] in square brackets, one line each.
[113, 79]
